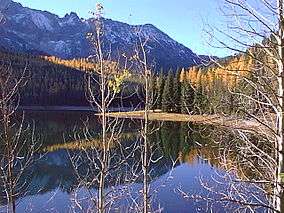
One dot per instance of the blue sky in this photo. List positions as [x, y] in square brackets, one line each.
[183, 20]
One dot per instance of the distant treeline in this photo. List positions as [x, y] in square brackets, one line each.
[208, 89]
[200, 89]
[53, 81]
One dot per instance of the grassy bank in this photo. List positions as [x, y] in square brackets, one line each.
[216, 120]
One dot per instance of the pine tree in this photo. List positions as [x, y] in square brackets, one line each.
[177, 93]
[187, 97]
[167, 98]
[160, 88]
[201, 104]
[154, 92]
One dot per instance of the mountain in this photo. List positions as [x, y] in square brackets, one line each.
[40, 32]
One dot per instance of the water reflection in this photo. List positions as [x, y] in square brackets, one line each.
[189, 154]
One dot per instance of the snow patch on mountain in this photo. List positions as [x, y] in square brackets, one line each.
[57, 47]
[65, 37]
[41, 21]
[19, 17]
[150, 32]
[4, 4]
[71, 19]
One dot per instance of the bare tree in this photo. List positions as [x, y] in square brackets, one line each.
[17, 140]
[256, 32]
[149, 151]
[145, 152]
[108, 161]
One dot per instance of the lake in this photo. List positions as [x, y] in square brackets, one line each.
[187, 176]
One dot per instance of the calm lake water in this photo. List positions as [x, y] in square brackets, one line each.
[53, 185]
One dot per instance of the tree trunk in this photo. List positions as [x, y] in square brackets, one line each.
[145, 147]
[280, 124]
[101, 195]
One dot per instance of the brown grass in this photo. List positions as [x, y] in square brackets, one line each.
[216, 120]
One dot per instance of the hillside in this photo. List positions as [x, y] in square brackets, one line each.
[27, 30]
[54, 81]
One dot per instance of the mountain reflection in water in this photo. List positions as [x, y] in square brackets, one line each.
[52, 179]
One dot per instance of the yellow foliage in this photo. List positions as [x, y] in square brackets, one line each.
[228, 72]
[115, 83]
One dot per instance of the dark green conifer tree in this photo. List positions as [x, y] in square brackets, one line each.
[167, 98]
[160, 88]
[187, 97]
[176, 99]
[200, 103]
[154, 92]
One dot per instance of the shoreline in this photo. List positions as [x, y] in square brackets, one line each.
[56, 108]
[70, 108]
[157, 115]
[215, 120]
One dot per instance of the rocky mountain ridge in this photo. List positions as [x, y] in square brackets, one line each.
[41, 32]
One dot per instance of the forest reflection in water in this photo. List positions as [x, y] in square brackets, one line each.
[187, 177]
